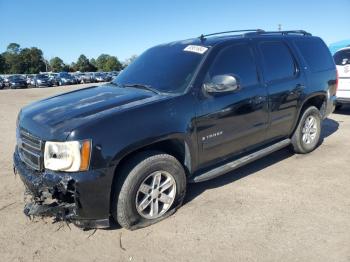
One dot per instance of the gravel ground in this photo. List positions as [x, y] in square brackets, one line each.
[281, 208]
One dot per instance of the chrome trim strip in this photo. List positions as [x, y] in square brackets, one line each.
[30, 149]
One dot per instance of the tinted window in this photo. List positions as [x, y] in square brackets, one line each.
[315, 53]
[235, 60]
[278, 61]
[342, 57]
[167, 68]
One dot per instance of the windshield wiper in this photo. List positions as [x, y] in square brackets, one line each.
[142, 86]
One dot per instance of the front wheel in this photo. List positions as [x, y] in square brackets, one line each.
[150, 187]
[307, 134]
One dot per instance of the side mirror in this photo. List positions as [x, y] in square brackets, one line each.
[221, 84]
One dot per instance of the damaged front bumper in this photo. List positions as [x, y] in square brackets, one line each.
[82, 198]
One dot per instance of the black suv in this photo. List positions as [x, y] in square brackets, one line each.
[187, 111]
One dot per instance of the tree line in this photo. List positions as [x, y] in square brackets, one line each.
[17, 60]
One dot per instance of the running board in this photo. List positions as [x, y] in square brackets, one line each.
[221, 170]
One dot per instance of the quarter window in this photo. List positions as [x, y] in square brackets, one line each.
[278, 62]
[316, 54]
[236, 60]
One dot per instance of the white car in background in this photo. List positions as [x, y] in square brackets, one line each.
[342, 61]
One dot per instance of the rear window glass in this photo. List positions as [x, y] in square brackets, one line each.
[315, 53]
[342, 57]
[278, 61]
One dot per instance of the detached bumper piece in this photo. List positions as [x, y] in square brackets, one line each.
[50, 195]
[58, 201]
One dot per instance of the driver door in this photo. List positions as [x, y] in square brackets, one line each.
[232, 122]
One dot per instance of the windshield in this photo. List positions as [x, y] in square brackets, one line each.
[342, 57]
[166, 68]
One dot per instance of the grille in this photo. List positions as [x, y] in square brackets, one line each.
[30, 149]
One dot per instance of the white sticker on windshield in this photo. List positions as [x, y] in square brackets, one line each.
[196, 49]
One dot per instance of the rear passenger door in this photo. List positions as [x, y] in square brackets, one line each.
[284, 83]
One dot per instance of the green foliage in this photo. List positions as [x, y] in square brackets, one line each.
[93, 62]
[17, 60]
[2, 64]
[23, 61]
[57, 64]
[13, 48]
[32, 61]
[108, 63]
[83, 65]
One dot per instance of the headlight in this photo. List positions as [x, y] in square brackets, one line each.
[68, 156]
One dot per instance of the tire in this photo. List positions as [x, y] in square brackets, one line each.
[306, 138]
[128, 194]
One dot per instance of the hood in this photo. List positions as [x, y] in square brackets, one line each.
[55, 117]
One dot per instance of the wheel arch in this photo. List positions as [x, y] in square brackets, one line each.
[176, 146]
[315, 99]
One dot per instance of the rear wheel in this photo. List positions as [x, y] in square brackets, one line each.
[151, 187]
[307, 134]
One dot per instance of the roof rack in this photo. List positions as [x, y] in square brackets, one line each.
[202, 36]
[300, 32]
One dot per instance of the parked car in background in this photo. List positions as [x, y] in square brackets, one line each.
[29, 79]
[342, 61]
[6, 80]
[53, 77]
[84, 78]
[101, 77]
[41, 80]
[16, 82]
[2, 83]
[64, 78]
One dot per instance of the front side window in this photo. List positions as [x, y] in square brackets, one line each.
[238, 61]
[278, 62]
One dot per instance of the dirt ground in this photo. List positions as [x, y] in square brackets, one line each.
[281, 208]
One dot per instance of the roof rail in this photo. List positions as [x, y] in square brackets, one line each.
[300, 32]
[202, 36]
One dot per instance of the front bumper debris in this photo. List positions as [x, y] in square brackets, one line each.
[59, 196]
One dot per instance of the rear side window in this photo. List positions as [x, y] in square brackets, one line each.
[315, 53]
[277, 60]
[342, 57]
[237, 60]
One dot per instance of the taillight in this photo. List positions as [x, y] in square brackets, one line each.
[336, 80]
